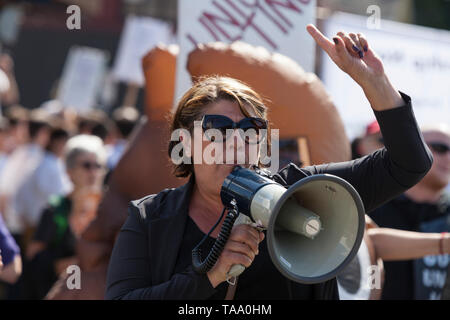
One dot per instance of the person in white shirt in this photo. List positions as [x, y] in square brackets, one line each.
[125, 119]
[49, 178]
[4, 126]
[19, 167]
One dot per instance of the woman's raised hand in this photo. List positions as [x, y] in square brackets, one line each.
[353, 55]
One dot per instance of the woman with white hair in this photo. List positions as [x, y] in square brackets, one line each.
[53, 247]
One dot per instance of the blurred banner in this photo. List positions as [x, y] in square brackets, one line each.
[82, 77]
[416, 59]
[10, 20]
[353, 281]
[139, 36]
[278, 26]
[430, 272]
[4, 87]
[4, 82]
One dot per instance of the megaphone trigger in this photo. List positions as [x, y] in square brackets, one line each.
[243, 219]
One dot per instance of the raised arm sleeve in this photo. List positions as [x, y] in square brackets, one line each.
[129, 272]
[388, 172]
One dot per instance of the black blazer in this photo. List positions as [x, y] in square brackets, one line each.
[144, 256]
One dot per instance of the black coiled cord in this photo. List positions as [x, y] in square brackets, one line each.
[219, 244]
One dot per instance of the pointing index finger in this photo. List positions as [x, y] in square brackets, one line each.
[320, 39]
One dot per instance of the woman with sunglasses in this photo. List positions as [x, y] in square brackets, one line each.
[66, 216]
[151, 258]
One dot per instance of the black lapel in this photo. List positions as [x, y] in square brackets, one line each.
[166, 233]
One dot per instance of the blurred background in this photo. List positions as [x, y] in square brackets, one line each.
[74, 67]
[34, 33]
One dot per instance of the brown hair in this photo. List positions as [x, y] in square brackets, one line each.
[204, 92]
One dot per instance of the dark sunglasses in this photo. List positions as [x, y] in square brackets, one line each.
[90, 165]
[439, 147]
[222, 123]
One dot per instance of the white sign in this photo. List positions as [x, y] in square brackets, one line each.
[355, 281]
[416, 59]
[277, 25]
[10, 22]
[4, 82]
[82, 77]
[4, 87]
[139, 36]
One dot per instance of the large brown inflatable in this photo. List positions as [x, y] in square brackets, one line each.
[298, 106]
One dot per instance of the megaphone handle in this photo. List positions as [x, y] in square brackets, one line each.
[237, 269]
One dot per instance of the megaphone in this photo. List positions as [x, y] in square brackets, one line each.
[314, 227]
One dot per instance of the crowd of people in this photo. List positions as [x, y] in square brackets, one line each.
[424, 208]
[54, 163]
